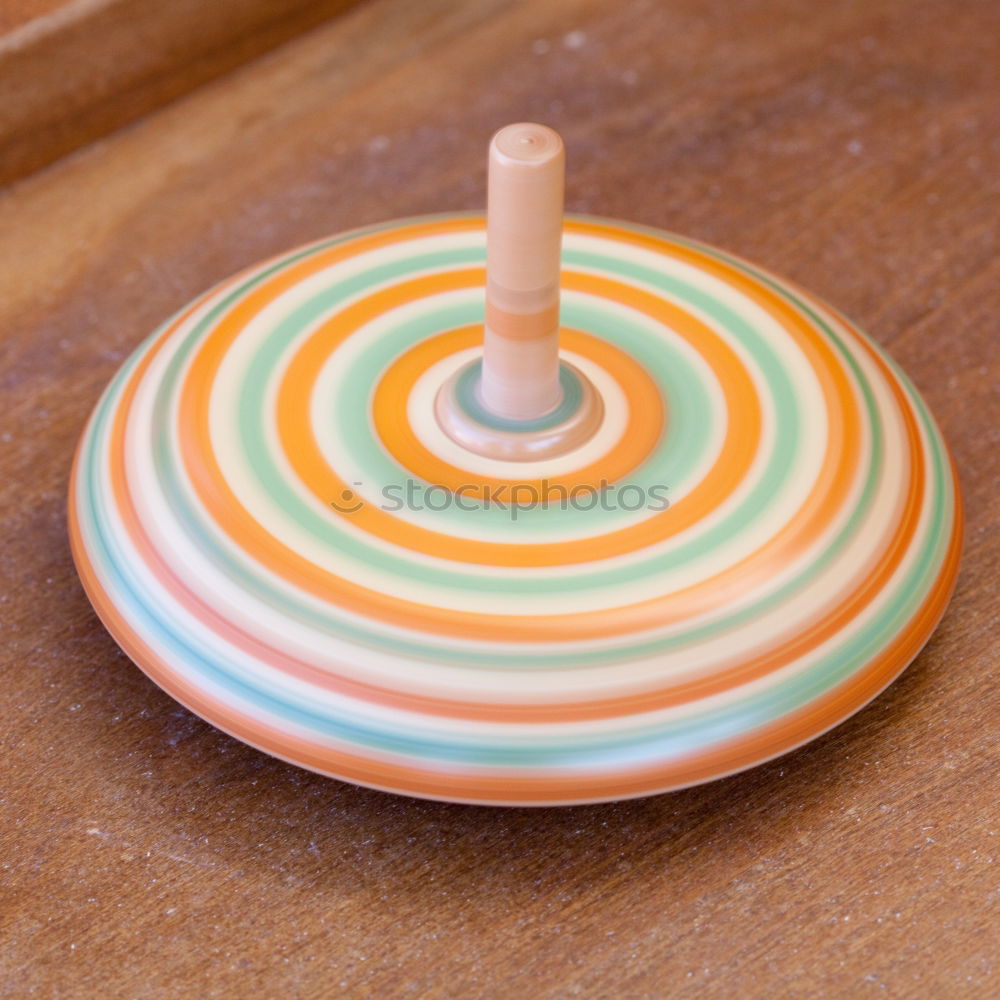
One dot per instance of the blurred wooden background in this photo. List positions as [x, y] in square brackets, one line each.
[852, 146]
[74, 70]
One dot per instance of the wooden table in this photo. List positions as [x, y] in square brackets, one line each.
[850, 145]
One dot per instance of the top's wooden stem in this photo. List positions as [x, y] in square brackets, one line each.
[520, 378]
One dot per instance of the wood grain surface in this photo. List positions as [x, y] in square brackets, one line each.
[16, 13]
[852, 146]
[74, 70]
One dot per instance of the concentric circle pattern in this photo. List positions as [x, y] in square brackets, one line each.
[761, 535]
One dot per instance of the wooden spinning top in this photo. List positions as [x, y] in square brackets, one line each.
[667, 517]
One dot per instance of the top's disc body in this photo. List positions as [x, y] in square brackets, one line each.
[762, 534]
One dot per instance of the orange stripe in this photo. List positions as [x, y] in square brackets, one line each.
[793, 539]
[392, 425]
[521, 326]
[765, 743]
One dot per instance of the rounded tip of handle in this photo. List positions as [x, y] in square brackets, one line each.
[526, 144]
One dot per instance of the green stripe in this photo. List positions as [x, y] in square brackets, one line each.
[633, 742]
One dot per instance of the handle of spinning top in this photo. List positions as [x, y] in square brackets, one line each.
[524, 220]
[521, 378]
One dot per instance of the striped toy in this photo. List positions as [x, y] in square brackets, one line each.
[760, 536]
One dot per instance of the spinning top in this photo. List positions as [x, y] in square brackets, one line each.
[668, 517]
